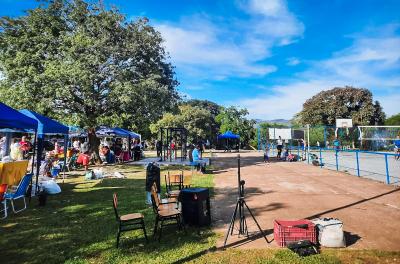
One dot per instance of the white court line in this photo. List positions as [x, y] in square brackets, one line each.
[393, 206]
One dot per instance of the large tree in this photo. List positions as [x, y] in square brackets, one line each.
[348, 102]
[86, 65]
[235, 120]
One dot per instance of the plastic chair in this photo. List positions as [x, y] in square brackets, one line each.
[20, 192]
[128, 222]
[3, 190]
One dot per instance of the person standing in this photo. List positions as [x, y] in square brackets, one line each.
[25, 146]
[397, 147]
[279, 147]
[173, 149]
[15, 150]
[159, 148]
[336, 144]
[76, 144]
[266, 158]
[3, 142]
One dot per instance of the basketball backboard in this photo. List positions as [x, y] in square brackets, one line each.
[344, 122]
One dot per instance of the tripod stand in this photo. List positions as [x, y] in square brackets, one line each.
[240, 209]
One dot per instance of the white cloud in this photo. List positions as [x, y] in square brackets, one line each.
[292, 61]
[370, 62]
[206, 47]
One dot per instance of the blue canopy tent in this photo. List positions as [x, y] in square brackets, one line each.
[104, 131]
[12, 120]
[76, 132]
[46, 126]
[228, 135]
[131, 133]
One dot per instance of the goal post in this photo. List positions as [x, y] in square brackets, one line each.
[378, 132]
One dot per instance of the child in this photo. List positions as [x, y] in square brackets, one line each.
[266, 158]
[286, 154]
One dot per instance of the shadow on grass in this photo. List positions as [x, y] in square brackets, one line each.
[80, 224]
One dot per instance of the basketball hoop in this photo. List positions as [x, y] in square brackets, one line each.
[347, 129]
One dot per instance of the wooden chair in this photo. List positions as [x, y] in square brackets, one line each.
[187, 181]
[165, 200]
[164, 212]
[3, 190]
[128, 222]
[171, 181]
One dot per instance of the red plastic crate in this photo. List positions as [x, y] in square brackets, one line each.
[285, 232]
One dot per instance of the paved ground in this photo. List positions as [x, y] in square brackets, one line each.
[281, 190]
[372, 166]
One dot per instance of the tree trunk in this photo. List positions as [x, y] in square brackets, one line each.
[94, 143]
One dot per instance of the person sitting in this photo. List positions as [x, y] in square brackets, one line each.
[197, 160]
[84, 159]
[286, 154]
[107, 154]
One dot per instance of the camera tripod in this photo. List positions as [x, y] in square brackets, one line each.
[241, 205]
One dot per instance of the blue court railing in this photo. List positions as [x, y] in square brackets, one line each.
[369, 164]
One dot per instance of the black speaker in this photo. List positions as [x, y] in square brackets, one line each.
[195, 206]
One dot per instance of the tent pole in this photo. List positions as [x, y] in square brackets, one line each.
[38, 159]
[33, 164]
[34, 152]
[65, 154]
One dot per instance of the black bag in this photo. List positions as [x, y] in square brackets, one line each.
[152, 175]
[303, 248]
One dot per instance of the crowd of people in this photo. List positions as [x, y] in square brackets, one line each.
[110, 151]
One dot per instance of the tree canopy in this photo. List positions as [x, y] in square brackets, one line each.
[86, 65]
[348, 102]
[234, 119]
[214, 110]
[394, 120]
[195, 119]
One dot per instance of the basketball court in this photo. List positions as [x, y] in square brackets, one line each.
[295, 190]
[371, 165]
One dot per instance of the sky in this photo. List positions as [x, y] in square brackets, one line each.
[269, 56]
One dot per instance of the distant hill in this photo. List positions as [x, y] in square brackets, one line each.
[277, 121]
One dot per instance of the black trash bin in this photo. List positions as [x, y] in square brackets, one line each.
[195, 206]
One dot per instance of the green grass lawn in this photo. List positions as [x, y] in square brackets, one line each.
[79, 226]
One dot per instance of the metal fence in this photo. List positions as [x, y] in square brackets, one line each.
[379, 166]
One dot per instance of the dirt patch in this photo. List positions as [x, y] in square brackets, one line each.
[369, 210]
